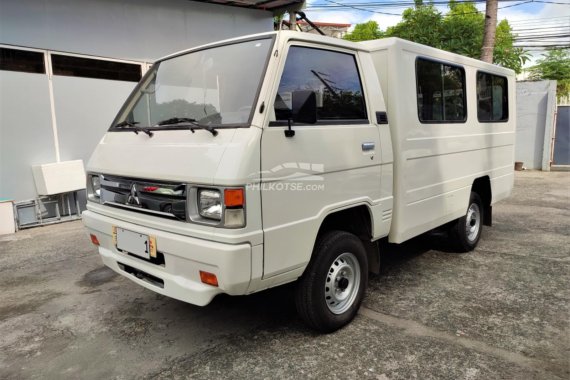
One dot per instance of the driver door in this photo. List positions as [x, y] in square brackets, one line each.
[327, 165]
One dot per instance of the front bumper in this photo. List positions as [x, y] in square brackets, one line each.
[184, 258]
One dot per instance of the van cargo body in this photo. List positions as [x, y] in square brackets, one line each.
[258, 161]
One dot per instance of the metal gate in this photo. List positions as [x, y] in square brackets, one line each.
[562, 137]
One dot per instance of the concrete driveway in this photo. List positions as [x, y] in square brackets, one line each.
[500, 312]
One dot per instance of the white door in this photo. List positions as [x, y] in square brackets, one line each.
[324, 166]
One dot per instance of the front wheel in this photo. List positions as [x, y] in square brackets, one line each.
[330, 292]
[466, 231]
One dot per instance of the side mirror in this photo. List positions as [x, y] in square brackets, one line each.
[304, 107]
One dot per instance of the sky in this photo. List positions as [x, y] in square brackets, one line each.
[531, 17]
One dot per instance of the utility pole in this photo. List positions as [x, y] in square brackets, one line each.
[292, 20]
[489, 32]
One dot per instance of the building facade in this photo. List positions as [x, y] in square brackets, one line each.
[330, 29]
[66, 67]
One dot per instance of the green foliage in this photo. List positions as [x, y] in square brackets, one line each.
[504, 53]
[277, 20]
[462, 30]
[422, 24]
[459, 31]
[364, 32]
[555, 64]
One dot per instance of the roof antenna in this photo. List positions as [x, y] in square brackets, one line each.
[302, 16]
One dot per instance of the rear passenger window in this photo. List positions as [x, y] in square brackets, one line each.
[492, 98]
[333, 76]
[440, 92]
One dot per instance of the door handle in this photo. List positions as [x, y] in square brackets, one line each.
[367, 146]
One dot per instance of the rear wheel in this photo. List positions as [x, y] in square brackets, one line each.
[330, 292]
[466, 231]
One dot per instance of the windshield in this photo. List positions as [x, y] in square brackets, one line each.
[216, 86]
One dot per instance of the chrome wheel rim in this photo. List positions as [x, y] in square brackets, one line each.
[342, 283]
[473, 222]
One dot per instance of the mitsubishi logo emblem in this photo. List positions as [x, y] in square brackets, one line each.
[133, 197]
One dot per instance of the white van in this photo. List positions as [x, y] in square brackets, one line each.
[279, 157]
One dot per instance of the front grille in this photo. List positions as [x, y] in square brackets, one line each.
[162, 199]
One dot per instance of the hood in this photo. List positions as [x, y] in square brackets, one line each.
[180, 155]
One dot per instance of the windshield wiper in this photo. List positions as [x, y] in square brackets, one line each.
[192, 124]
[176, 120]
[133, 125]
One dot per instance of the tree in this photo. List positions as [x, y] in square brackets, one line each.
[459, 31]
[489, 30]
[422, 24]
[505, 53]
[555, 65]
[364, 32]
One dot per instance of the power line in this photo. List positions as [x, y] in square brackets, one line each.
[550, 2]
[536, 36]
[362, 9]
[403, 4]
[359, 8]
[540, 24]
[542, 46]
[513, 5]
[557, 39]
[541, 19]
[528, 36]
[562, 27]
[392, 4]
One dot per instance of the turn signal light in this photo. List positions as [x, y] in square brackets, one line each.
[209, 278]
[233, 197]
[94, 239]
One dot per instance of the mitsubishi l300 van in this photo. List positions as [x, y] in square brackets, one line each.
[253, 162]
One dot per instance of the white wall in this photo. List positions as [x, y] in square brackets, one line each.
[536, 104]
[85, 108]
[26, 136]
[137, 30]
[129, 29]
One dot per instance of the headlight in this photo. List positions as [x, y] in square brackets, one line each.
[93, 187]
[96, 182]
[210, 204]
[221, 207]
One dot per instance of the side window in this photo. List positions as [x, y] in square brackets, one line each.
[95, 68]
[334, 78]
[492, 98]
[440, 92]
[22, 60]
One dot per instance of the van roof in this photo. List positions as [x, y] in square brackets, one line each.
[428, 51]
[368, 46]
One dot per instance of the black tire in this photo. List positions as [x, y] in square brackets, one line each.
[466, 231]
[335, 260]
